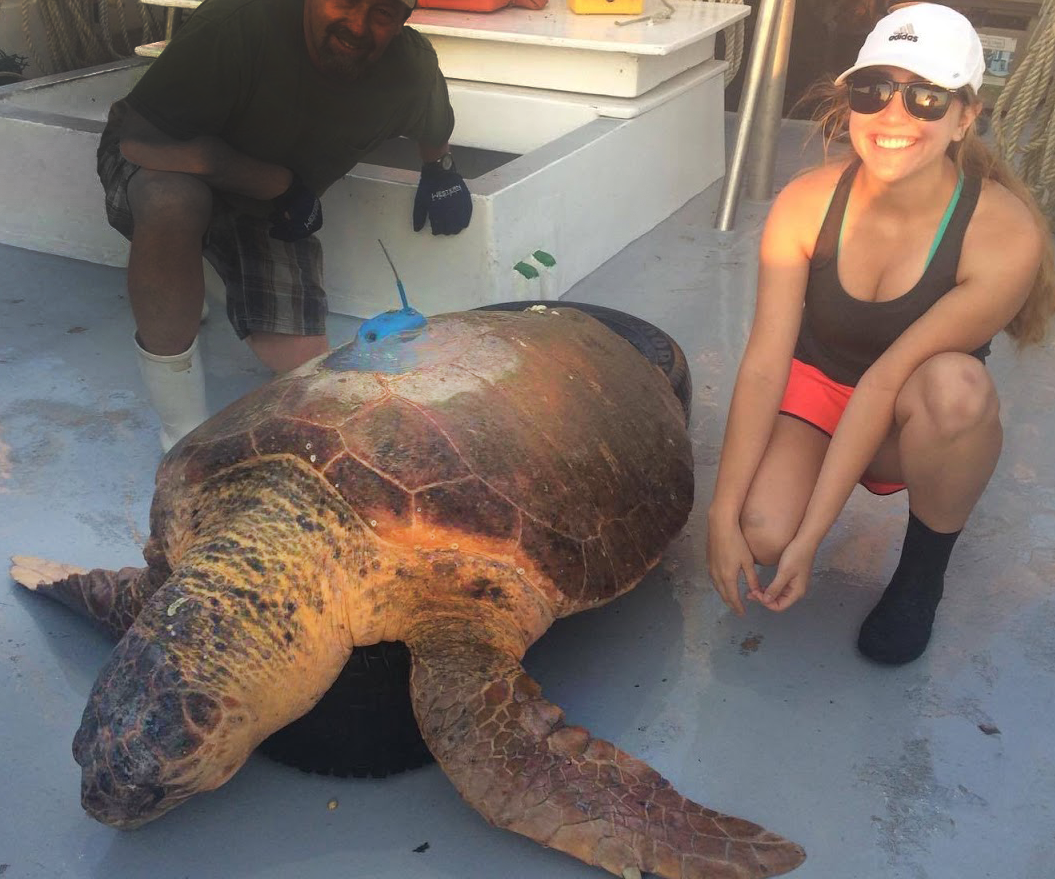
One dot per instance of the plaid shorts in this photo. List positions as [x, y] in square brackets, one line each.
[272, 286]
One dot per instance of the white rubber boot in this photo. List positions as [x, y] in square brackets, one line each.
[176, 386]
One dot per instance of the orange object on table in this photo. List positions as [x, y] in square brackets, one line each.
[479, 5]
[606, 7]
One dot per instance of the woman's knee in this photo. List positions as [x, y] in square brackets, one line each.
[176, 201]
[953, 393]
[766, 534]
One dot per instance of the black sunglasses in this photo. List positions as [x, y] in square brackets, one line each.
[923, 100]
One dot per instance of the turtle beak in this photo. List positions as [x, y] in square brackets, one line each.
[120, 782]
[117, 807]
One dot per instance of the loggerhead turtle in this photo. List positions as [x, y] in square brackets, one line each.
[456, 486]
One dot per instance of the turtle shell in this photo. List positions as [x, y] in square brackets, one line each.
[517, 435]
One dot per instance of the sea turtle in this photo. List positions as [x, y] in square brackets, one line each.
[364, 724]
[457, 486]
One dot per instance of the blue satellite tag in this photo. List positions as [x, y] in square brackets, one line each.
[390, 323]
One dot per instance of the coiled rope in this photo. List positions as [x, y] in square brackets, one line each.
[734, 44]
[1024, 107]
[78, 33]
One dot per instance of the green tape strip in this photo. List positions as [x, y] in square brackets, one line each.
[526, 269]
[545, 258]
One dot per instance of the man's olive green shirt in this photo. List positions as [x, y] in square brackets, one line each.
[239, 70]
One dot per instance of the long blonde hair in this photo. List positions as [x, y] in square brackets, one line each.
[832, 112]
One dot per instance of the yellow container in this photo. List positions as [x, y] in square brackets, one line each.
[611, 7]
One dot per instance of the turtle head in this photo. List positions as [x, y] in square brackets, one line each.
[147, 741]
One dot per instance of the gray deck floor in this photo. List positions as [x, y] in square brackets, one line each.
[877, 772]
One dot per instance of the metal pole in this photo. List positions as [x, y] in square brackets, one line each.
[767, 19]
[762, 150]
[171, 22]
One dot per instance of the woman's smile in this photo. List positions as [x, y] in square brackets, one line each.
[891, 142]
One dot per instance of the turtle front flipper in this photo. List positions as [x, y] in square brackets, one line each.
[512, 757]
[111, 599]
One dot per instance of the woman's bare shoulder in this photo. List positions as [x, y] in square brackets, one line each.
[997, 203]
[827, 174]
[802, 204]
[1001, 221]
[812, 189]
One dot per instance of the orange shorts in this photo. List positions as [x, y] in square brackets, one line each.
[814, 398]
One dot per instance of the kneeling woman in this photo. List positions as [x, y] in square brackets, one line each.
[882, 280]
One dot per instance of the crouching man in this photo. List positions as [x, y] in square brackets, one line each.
[223, 149]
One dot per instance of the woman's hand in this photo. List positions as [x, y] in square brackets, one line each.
[792, 577]
[727, 555]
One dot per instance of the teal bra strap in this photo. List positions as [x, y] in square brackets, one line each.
[941, 226]
[945, 220]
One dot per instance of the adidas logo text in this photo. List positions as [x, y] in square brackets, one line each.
[905, 32]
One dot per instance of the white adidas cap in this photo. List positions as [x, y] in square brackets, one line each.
[933, 41]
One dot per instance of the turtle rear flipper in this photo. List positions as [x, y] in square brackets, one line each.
[512, 757]
[110, 599]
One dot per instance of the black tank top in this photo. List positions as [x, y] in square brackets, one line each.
[843, 336]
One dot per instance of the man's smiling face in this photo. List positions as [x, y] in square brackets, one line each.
[346, 37]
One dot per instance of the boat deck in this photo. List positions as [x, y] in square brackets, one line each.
[944, 768]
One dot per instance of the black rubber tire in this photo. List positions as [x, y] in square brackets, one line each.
[654, 345]
[364, 725]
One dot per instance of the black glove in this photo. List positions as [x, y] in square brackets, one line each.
[297, 214]
[443, 197]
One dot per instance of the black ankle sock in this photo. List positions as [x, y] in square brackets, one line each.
[898, 628]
